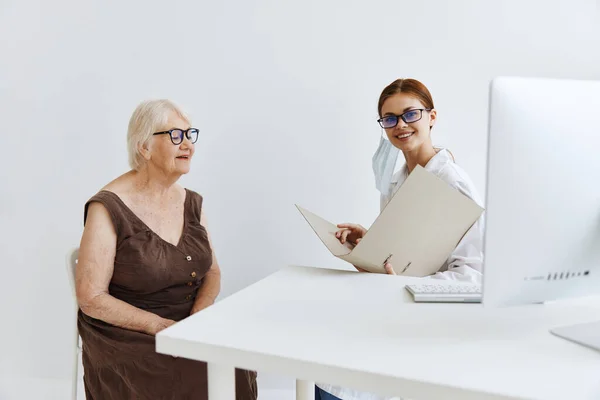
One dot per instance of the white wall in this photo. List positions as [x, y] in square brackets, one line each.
[285, 96]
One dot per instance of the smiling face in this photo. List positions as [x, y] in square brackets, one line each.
[409, 136]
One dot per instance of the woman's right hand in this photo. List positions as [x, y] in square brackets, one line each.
[351, 233]
[159, 324]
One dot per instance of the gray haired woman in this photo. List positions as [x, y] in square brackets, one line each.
[146, 261]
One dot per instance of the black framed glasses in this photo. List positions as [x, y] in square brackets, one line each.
[176, 135]
[390, 121]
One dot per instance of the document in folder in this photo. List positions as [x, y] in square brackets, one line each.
[417, 231]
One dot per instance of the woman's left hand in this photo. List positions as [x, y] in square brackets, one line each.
[200, 306]
[389, 269]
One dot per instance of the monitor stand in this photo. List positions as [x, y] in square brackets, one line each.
[587, 334]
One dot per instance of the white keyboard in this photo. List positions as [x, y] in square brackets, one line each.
[448, 293]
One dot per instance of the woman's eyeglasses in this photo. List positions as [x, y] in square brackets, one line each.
[176, 135]
[390, 121]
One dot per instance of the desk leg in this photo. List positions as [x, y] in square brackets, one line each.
[221, 382]
[305, 390]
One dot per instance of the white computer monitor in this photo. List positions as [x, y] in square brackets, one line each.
[542, 239]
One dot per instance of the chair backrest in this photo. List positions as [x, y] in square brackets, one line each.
[71, 265]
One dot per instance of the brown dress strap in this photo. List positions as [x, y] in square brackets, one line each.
[124, 221]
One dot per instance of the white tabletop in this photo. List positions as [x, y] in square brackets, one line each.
[363, 331]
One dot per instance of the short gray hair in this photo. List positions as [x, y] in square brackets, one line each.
[149, 117]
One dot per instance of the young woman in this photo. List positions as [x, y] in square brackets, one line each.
[407, 114]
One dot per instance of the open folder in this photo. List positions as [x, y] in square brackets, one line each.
[417, 230]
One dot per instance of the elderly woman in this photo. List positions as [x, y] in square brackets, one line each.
[145, 262]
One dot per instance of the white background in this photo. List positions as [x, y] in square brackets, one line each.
[285, 96]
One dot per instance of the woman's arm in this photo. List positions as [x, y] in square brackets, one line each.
[93, 274]
[211, 283]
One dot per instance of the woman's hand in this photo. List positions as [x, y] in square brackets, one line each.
[159, 324]
[389, 269]
[201, 304]
[351, 233]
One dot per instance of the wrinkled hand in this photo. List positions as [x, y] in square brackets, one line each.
[161, 324]
[389, 269]
[201, 306]
[351, 233]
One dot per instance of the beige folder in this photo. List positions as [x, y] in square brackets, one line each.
[417, 230]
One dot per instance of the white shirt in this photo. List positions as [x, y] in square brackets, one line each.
[464, 264]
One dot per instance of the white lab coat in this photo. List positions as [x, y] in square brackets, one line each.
[466, 261]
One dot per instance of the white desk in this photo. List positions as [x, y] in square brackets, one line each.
[363, 331]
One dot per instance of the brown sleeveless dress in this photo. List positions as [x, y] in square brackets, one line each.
[156, 276]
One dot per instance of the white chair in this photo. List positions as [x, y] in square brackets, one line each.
[71, 265]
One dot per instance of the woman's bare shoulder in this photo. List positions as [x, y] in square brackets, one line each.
[121, 184]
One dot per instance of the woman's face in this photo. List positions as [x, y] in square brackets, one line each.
[407, 136]
[171, 158]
